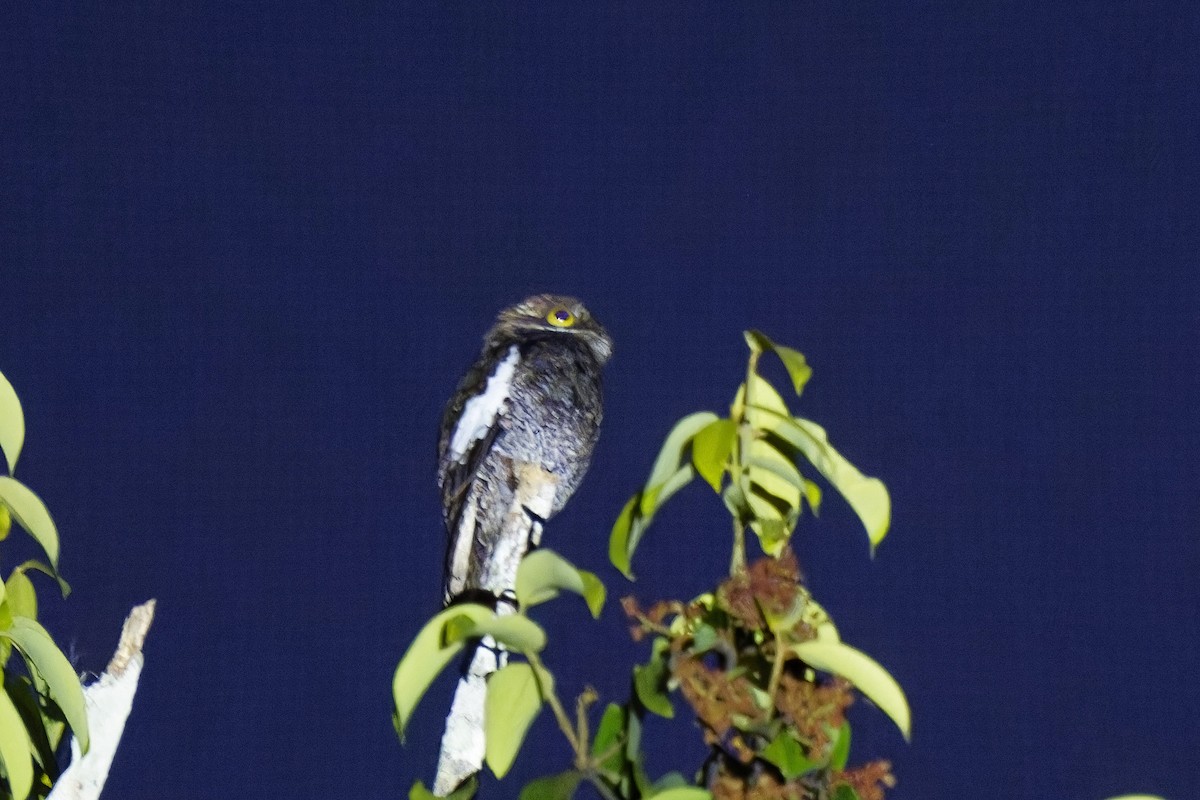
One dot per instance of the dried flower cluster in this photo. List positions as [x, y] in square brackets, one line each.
[776, 729]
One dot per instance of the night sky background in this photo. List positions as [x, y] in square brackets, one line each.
[247, 252]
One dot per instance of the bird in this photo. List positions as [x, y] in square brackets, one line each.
[515, 442]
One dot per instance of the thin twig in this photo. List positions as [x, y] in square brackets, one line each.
[585, 699]
[776, 670]
[560, 714]
[601, 786]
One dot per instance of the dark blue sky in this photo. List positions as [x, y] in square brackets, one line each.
[245, 254]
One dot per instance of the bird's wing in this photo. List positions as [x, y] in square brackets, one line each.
[473, 421]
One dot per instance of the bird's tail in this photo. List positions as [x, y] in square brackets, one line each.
[463, 743]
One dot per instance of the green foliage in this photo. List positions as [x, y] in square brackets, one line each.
[787, 754]
[553, 787]
[514, 698]
[52, 669]
[544, 573]
[31, 514]
[683, 793]
[866, 675]
[758, 661]
[15, 748]
[668, 476]
[12, 424]
[650, 681]
[540, 577]
[427, 656]
[739, 658]
[841, 748]
[42, 694]
[753, 459]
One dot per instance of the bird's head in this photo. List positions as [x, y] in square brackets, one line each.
[553, 315]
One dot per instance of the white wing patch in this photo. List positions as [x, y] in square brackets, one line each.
[480, 412]
[460, 559]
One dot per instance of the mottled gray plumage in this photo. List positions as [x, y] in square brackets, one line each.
[515, 442]
[528, 410]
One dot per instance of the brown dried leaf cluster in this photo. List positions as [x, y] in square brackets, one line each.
[814, 708]
[753, 613]
[651, 620]
[770, 588]
[718, 700]
[869, 780]
[727, 785]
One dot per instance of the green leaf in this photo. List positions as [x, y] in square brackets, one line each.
[650, 681]
[513, 702]
[593, 592]
[465, 791]
[636, 516]
[420, 792]
[608, 733]
[553, 787]
[704, 638]
[796, 365]
[44, 657]
[684, 793]
[670, 456]
[844, 792]
[861, 670]
[775, 472]
[514, 631]
[633, 751]
[812, 493]
[671, 780]
[45, 569]
[20, 594]
[773, 520]
[15, 749]
[6, 614]
[735, 500]
[21, 692]
[668, 475]
[543, 573]
[757, 341]
[788, 755]
[5, 522]
[656, 497]
[425, 658]
[766, 405]
[32, 515]
[12, 423]
[867, 496]
[711, 449]
[840, 753]
[793, 360]
[643, 786]
[621, 541]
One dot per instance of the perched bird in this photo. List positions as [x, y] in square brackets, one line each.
[515, 442]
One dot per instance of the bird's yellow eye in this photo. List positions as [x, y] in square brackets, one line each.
[561, 317]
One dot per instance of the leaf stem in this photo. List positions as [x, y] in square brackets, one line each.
[601, 787]
[776, 670]
[581, 707]
[737, 560]
[560, 714]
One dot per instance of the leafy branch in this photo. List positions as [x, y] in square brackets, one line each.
[42, 695]
[758, 661]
